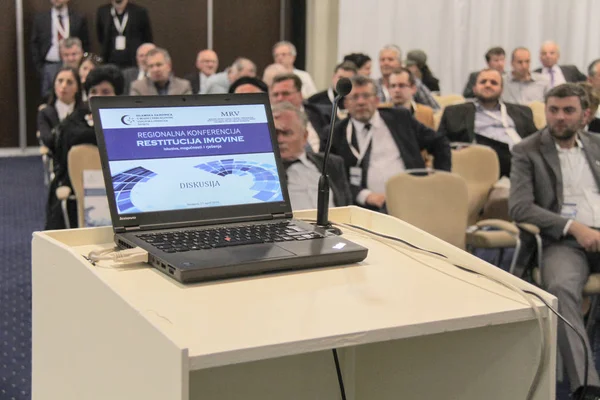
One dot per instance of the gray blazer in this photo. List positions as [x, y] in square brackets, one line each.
[536, 188]
[145, 87]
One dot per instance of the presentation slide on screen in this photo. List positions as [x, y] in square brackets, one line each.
[190, 157]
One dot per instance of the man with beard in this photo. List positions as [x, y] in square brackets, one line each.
[554, 185]
[487, 120]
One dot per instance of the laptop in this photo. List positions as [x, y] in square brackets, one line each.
[197, 181]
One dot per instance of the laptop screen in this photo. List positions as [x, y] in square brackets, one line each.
[189, 157]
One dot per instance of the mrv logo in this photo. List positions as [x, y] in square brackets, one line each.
[198, 184]
[230, 113]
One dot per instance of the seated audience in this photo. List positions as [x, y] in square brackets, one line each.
[488, 120]
[591, 123]
[284, 53]
[248, 84]
[362, 62]
[303, 169]
[88, 63]
[160, 81]
[137, 73]
[416, 61]
[71, 52]
[78, 128]
[288, 87]
[495, 58]
[325, 98]
[557, 74]
[523, 86]
[64, 99]
[377, 144]
[402, 89]
[555, 187]
[207, 63]
[594, 79]
[271, 71]
[220, 82]
[390, 58]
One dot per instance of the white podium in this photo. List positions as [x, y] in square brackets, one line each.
[407, 326]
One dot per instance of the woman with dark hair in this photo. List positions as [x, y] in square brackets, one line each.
[78, 128]
[416, 61]
[362, 62]
[64, 99]
[89, 62]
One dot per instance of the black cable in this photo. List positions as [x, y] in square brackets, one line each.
[339, 374]
[585, 349]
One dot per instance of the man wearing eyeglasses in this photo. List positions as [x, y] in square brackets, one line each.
[288, 87]
[487, 120]
[402, 87]
[377, 144]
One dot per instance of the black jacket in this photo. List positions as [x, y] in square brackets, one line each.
[137, 32]
[594, 126]
[570, 72]
[458, 124]
[47, 120]
[41, 34]
[72, 131]
[410, 136]
[194, 79]
[338, 180]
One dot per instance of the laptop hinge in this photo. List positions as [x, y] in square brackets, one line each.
[282, 215]
[130, 228]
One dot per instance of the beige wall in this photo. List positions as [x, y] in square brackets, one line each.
[321, 40]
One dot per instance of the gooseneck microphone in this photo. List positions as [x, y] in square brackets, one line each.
[343, 87]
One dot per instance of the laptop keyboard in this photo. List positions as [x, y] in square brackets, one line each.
[206, 239]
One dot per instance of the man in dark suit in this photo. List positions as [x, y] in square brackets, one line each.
[49, 28]
[377, 144]
[122, 27]
[346, 69]
[207, 63]
[488, 120]
[288, 87]
[495, 58]
[138, 72]
[554, 185]
[557, 74]
[303, 169]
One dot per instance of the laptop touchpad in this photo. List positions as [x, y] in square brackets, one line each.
[257, 252]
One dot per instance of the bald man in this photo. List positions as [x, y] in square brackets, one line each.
[207, 63]
[138, 72]
[557, 74]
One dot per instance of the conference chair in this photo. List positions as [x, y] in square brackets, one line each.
[434, 201]
[46, 155]
[539, 113]
[480, 168]
[449, 100]
[80, 158]
[529, 267]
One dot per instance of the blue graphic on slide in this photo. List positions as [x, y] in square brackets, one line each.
[265, 176]
[161, 184]
[124, 182]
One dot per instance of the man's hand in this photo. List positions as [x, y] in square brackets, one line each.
[375, 199]
[587, 237]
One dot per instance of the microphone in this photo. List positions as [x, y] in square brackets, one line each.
[343, 87]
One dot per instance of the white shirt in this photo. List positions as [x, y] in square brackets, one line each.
[63, 110]
[385, 160]
[314, 140]
[303, 184]
[580, 192]
[559, 78]
[308, 86]
[203, 83]
[53, 54]
[141, 74]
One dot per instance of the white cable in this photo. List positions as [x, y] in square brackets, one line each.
[121, 257]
